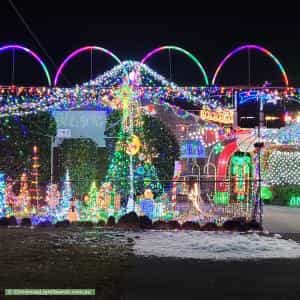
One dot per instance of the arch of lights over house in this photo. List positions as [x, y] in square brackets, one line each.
[14, 47]
[251, 47]
[79, 51]
[181, 50]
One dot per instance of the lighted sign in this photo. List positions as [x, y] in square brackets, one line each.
[63, 133]
[224, 116]
[254, 95]
[192, 149]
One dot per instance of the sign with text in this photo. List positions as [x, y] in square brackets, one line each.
[63, 133]
[81, 124]
[224, 116]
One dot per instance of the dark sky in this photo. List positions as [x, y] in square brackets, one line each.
[61, 28]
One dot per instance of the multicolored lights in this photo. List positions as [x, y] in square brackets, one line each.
[30, 52]
[79, 51]
[147, 57]
[181, 50]
[250, 47]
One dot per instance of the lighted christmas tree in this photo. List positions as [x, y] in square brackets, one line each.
[90, 209]
[23, 203]
[93, 194]
[65, 203]
[131, 171]
[5, 209]
[34, 185]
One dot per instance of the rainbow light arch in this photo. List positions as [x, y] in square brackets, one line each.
[181, 50]
[31, 53]
[255, 47]
[77, 52]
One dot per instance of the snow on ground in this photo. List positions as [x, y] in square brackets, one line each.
[213, 245]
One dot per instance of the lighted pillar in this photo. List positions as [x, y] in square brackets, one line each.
[34, 188]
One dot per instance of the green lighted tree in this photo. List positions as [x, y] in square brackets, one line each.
[131, 139]
[85, 161]
[65, 203]
[159, 139]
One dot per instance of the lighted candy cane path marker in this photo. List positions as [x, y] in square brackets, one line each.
[223, 162]
[31, 53]
[79, 51]
[178, 49]
[249, 47]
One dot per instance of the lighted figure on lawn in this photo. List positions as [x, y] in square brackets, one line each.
[73, 215]
[5, 209]
[52, 199]
[147, 204]
[10, 196]
[23, 204]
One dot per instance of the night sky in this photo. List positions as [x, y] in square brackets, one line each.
[62, 28]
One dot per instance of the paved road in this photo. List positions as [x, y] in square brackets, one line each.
[281, 219]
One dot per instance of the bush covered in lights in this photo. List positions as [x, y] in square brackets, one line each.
[283, 168]
[286, 195]
[17, 136]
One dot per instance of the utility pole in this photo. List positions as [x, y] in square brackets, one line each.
[235, 121]
[51, 161]
[259, 145]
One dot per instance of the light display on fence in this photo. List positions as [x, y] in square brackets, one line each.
[221, 198]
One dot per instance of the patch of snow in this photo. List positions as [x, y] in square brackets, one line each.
[213, 245]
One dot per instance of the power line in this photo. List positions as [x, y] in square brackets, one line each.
[34, 35]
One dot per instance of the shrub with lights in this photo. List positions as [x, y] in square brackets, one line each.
[283, 168]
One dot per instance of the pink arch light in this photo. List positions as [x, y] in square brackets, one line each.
[30, 52]
[77, 52]
[181, 50]
[256, 47]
